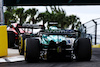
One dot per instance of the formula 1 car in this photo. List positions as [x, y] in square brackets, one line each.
[54, 44]
[13, 34]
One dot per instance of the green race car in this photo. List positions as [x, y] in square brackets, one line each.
[56, 44]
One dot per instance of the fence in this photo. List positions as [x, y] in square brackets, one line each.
[91, 29]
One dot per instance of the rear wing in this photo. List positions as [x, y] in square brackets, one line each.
[59, 32]
[31, 26]
[53, 23]
[69, 33]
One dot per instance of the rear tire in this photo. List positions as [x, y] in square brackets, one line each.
[11, 39]
[83, 49]
[32, 51]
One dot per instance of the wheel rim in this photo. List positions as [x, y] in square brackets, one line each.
[20, 44]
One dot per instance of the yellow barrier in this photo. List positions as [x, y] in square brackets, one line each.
[3, 41]
[96, 46]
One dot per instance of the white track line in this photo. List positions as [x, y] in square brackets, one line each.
[12, 59]
[16, 58]
[2, 60]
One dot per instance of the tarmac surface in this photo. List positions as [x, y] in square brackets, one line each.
[95, 62]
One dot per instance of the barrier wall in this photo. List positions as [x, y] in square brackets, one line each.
[3, 41]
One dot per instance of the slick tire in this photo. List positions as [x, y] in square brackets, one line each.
[83, 49]
[11, 39]
[32, 51]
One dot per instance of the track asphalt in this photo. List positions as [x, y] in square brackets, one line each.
[95, 62]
